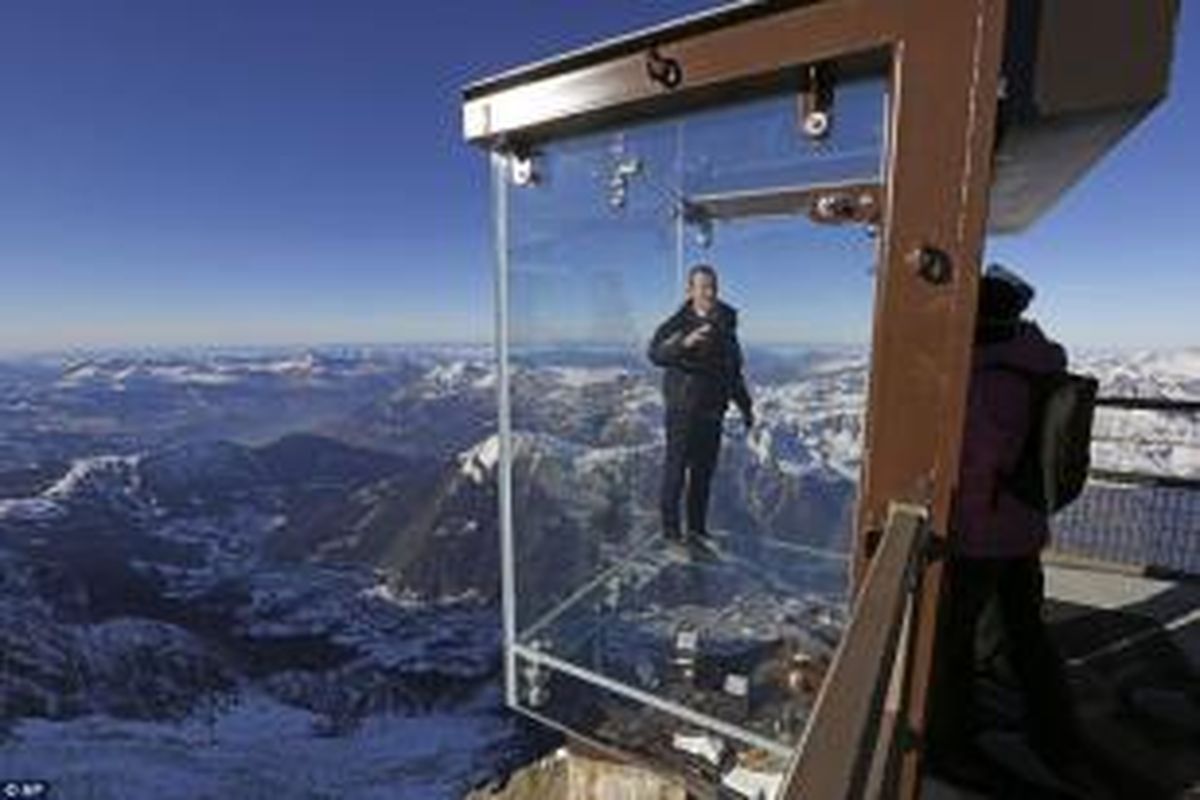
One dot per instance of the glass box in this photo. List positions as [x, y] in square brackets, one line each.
[705, 657]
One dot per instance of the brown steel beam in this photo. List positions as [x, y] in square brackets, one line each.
[758, 53]
[944, 90]
[639, 41]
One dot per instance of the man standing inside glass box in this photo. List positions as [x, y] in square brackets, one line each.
[699, 351]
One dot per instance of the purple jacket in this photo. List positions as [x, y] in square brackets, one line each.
[988, 521]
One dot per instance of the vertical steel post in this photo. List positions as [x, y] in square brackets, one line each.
[945, 81]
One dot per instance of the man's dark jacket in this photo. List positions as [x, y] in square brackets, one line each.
[701, 380]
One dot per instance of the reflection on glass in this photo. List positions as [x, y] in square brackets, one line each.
[619, 633]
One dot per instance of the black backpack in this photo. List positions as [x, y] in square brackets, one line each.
[1053, 466]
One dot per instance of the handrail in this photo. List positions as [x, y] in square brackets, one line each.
[1134, 477]
[1144, 479]
[1149, 404]
[1132, 518]
[837, 749]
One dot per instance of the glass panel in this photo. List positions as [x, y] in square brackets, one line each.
[760, 145]
[598, 233]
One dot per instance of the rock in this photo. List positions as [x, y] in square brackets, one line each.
[565, 775]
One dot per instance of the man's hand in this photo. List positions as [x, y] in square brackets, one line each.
[698, 335]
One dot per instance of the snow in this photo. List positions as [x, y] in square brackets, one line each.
[808, 428]
[479, 462]
[91, 472]
[1153, 442]
[76, 375]
[454, 637]
[384, 592]
[1182, 363]
[219, 368]
[119, 373]
[29, 509]
[849, 363]
[581, 377]
[448, 377]
[305, 363]
[1185, 461]
[186, 375]
[260, 749]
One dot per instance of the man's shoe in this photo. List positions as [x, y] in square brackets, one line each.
[701, 542]
[676, 544]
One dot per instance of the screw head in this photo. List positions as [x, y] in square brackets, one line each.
[816, 124]
[932, 264]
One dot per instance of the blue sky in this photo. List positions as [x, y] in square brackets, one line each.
[269, 171]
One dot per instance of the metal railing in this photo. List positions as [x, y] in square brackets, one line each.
[1141, 507]
[847, 746]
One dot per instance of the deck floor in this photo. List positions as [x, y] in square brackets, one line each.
[1132, 647]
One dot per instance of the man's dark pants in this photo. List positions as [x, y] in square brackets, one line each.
[693, 441]
[1016, 585]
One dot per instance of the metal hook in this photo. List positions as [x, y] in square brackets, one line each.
[666, 72]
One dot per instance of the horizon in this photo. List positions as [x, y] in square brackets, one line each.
[252, 350]
[226, 176]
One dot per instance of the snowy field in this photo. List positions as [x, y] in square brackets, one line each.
[262, 750]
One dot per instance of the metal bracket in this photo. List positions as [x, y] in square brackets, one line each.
[859, 205]
[697, 216]
[522, 164]
[666, 72]
[816, 101]
[623, 170]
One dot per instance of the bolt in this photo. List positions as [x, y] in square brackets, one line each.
[932, 264]
[816, 124]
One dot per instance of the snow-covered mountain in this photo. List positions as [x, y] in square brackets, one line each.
[309, 540]
[257, 748]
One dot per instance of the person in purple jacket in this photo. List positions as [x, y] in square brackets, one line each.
[996, 541]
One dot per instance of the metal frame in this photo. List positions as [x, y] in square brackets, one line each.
[944, 58]
[841, 203]
[605, 85]
[646, 698]
[499, 165]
